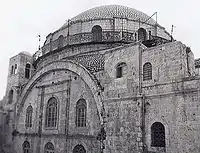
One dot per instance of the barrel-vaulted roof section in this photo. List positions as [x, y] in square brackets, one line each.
[112, 11]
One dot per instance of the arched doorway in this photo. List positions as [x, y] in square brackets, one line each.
[97, 33]
[79, 149]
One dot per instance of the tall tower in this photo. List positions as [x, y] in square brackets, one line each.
[19, 72]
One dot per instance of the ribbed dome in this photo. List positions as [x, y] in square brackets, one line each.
[110, 11]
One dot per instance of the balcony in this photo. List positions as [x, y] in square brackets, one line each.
[84, 38]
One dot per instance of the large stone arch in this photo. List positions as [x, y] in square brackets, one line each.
[87, 77]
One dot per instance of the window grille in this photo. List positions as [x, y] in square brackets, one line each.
[81, 113]
[51, 113]
[147, 71]
[29, 112]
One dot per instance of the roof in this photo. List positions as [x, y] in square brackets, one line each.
[112, 11]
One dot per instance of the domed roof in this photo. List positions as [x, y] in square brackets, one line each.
[111, 11]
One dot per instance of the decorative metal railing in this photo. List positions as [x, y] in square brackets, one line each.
[107, 36]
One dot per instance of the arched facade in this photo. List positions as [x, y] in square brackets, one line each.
[76, 94]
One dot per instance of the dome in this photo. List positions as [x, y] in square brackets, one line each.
[111, 11]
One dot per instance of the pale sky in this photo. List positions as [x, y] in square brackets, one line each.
[22, 20]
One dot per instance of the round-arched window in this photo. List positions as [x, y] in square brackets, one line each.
[157, 135]
[79, 149]
[97, 33]
[142, 34]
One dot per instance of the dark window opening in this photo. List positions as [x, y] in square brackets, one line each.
[29, 112]
[60, 41]
[12, 70]
[10, 96]
[27, 71]
[157, 135]
[15, 69]
[51, 113]
[147, 71]
[26, 147]
[97, 33]
[79, 149]
[49, 148]
[142, 34]
[120, 70]
[81, 110]
[135, 36]
[150, 37]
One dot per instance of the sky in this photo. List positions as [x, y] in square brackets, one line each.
[21, 21]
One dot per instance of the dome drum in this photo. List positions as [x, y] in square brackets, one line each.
[116, 24]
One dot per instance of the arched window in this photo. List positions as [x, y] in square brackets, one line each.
[10, 96]
[81, 109]
[26, 147]
[79, 149]
[27, 71]
[60, 41]
[51, 113]
[142, 35]
[29, 112]
[120, 69]
[97, 33]
[147, 71]
[12, 70]
[157, 135]
[49, 148]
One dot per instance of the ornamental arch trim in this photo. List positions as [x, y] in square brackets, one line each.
[69, 65]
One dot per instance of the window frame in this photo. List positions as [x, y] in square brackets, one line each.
[147, 71]
[27, 72]
[51, 115]
[29, 117]
[47, 149]
[97, 33]
[155, 140]
[81, 113]
[77, 150]
[120, 69]
[10, 96]
[26, 149]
